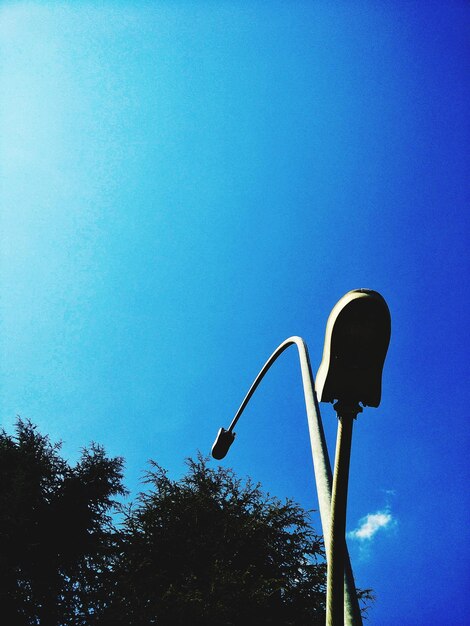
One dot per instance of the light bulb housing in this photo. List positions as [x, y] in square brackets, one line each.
[222, 443]
[356, 342]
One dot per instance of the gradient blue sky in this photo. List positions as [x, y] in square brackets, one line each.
[184, 185]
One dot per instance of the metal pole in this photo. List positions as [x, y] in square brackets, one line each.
[337, 549]
[321, 465]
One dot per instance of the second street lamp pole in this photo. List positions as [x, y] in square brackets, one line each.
[356, 342]
[336, 554]
[322, 469]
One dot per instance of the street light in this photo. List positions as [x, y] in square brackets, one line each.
[321, 463]
[356, 342]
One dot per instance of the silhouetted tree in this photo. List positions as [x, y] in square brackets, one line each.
[210, 550]
[56, 537]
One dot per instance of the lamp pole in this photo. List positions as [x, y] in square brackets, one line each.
[336, 552]
[356, 342]
[321, 464]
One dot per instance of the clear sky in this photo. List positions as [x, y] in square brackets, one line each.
[186, 184]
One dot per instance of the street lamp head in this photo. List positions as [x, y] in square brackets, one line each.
[356, 342]
[222, 443]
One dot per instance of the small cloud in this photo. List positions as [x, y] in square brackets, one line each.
[371, 524]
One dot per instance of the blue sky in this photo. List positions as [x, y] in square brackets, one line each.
[186, 184]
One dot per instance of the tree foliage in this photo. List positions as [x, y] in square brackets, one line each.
[56, 537]
[208, 549]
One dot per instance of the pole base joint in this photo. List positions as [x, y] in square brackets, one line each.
[347, 409]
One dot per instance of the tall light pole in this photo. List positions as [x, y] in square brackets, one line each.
[321, 464]
[356, 342]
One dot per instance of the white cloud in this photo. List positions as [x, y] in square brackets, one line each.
[371, 524]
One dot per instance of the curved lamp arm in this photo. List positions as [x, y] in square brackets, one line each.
[321, 460]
